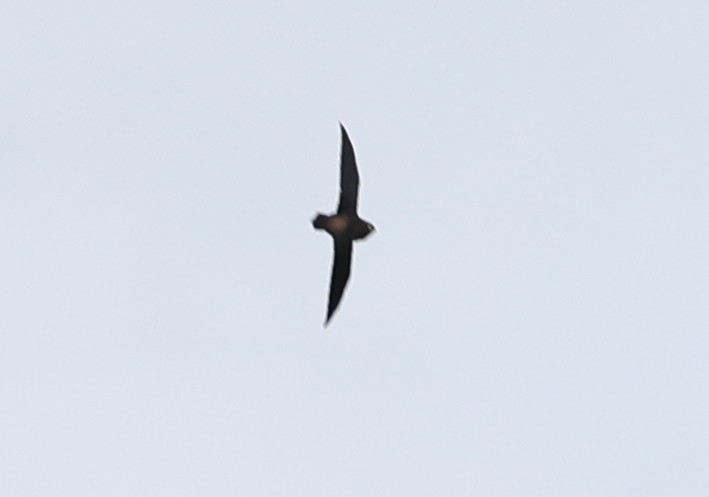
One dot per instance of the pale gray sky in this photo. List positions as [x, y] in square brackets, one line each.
[530, 318]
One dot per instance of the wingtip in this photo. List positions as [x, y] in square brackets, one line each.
[345, 136]
[328, 316]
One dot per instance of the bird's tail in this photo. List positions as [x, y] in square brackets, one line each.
[320, 221]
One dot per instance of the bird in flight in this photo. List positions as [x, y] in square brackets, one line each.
[345, 226]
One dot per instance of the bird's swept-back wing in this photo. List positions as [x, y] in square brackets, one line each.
[340, 274]
[349, 177]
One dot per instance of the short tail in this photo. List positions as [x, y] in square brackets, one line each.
[320, 221]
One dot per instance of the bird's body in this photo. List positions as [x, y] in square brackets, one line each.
[345, 226]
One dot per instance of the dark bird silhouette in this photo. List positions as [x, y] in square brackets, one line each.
[345, 226]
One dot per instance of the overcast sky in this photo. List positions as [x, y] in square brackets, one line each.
[530, 319]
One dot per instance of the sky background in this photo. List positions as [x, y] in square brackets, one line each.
[530, 319]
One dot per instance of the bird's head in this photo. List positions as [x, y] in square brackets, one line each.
[361, 229]
[370, 229]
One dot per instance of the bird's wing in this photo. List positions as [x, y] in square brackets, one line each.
[340, 275]
[349, 177]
